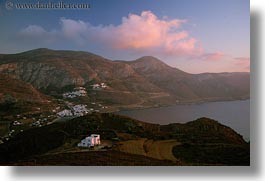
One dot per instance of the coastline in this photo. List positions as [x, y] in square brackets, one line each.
[232, 115]
[180, 104]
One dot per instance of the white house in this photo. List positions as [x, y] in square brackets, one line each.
[89, 141]
[99, 86]
[103, 85]
[15, 123]
[78, 92]
[80, 110]
[65, 113]
[95, 86]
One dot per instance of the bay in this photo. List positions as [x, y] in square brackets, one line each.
[235, 114]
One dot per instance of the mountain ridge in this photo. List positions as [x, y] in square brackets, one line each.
[147, 58]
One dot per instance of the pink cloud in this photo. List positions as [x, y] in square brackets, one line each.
[143, 34]
[212, 56]
[146, 32]
[139, 33]
[242, 63]
[242, 59]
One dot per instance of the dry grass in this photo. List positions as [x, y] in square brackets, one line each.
[133, 146]
[164, 149]
[161, 150]
[125, 136]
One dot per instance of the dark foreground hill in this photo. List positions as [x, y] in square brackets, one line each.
[95, 158]
[143, 82]
[201, 142]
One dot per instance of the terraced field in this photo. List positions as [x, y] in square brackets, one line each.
[161, 150]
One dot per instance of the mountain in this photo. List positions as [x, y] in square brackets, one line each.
[193, 87]
[33, 86]
[195, 142]
[144, 82]
[18, 97]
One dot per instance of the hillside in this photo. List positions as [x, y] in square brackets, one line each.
[18, 97]
[109, 158]
[128, 136]
[145, 82]
[38, 88]
[193, 87]
[22, 106]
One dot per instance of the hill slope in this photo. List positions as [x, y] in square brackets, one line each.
[193, 87]
[18, 97]
[202, 132]
[144, 82]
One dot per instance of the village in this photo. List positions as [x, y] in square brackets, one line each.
[81, 109]
[78, 91]
[68, 109]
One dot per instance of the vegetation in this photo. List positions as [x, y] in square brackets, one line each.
[212, 154]
[96, 158]
[188, 143]
[4, 128]
[7, 102]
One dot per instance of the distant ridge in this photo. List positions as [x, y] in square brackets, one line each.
[158, 83]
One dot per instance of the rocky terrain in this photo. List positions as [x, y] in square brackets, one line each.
[21, 102]
[145, 82]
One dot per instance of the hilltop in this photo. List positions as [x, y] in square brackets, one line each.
[178, 144]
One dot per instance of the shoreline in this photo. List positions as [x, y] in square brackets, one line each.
[178, 104]
[129, 113]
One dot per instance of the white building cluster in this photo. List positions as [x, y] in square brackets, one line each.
[15, 123]
[78, 92]
[77, 110]
[65, 113]
[80, 110]
[92, 140]
[99, 86]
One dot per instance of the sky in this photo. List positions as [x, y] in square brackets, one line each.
[195, 36]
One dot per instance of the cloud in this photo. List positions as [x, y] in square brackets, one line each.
[138, 33]
[36, 30]
[146, 31]
[77, 31]
[35, 33]
[243, 63]
[212, 56]
[242, 59]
